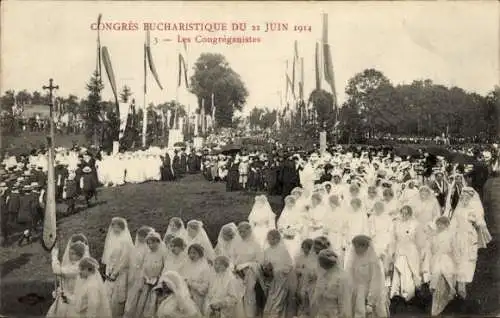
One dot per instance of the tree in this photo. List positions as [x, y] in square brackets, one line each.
[8, 101]
[213, 76]
[125, 94]
[322, 102]
[255, 117]
[23, 98]
[93, 108]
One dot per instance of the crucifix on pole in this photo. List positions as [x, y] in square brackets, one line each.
[51, 88]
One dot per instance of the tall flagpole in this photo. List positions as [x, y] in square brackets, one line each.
[144, 109]
[49, 220]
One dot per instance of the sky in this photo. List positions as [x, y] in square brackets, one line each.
[451, 43]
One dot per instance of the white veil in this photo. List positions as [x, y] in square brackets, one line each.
[113, 240]
[201, 238]
[74, 238]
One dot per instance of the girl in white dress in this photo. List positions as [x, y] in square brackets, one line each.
[198, 274]
[137, 257]
[196, 234]
[154, 263]
[116, 256]
[91, 297]
[67, 273]
[225, 291]
[262, 219]
[406, 259]
[176, 228]
[174, 299]
[227, 241]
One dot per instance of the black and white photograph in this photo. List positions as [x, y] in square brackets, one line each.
[249, 159]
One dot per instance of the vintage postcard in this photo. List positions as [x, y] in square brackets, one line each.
[249, 159]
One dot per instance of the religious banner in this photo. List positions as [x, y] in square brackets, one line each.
[322, 141]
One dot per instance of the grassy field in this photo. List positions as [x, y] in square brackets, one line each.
[26, 141]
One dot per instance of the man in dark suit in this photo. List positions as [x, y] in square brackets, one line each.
[290, 175]
[440, 187]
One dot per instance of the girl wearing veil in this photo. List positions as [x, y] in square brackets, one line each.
[332, 295]
[276, 268]
[372, 197]
[79, 237]
[316, 215]
[176, 255]
[176, 228]
[382, 233]
[442, 266]
[249, 256]
[196, 234]
[225, 291]
[333, 222]
[290, 225]
[227, 241]
[369, 296]
[355, 223]
[262, 219]
[391, 204]
[67, 272]
[471, 234]
[154, 262]
[406, 256]
[116, 256]
[302, 264]
[173, 298]
[91, 297]
[197, 273]
[137, 256]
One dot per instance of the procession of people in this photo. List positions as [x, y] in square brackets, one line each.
[358, 231]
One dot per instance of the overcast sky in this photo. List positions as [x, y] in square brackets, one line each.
[451, 43]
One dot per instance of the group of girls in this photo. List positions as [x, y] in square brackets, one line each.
[415, 242]
[333, 253]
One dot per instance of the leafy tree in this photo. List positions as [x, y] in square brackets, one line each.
[93, 106]
[8, 100]
[23, 98]
[322, 102]
[37, 98]
[125, 94]
[213, 75]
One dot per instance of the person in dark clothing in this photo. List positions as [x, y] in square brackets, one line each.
[456, 190]
[176, 165]
[4, 213]
[290, 178]
[191, 163]
[327, 176]
[167, 172]
[88, 185]
[183, 164]
[233, 176]
[70, 193]
[440, 187]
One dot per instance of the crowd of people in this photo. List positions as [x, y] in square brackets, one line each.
[355, 234]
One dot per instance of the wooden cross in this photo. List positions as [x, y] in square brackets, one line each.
[51, 87]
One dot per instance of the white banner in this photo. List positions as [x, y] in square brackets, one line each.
[124, 110]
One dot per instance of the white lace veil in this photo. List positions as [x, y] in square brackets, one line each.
[113, 240]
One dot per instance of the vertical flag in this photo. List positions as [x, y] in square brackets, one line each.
[301, 82]
[183, 67]
[294, 64]
[49, 220]
[106, 59]
[213, 109]
[98, 66]
[327, 60]
[152, 67]
[317, 67]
